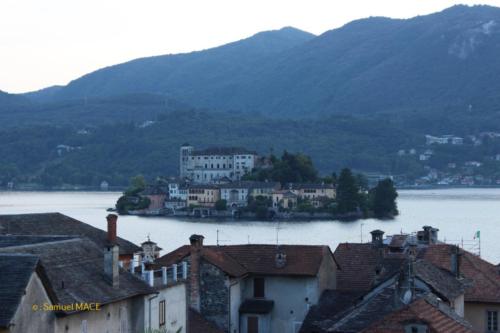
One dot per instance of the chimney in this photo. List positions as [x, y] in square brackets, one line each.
[280, 258]
[194, 277]
[111, 253]
[377, 238]
[111, 218]
[455, 261]
[430, 235]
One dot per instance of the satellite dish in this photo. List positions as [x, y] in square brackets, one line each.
[407, 297]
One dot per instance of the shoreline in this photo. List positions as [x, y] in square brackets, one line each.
[120, 189]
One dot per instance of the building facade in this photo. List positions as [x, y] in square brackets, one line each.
[213, 164]
[255, 288]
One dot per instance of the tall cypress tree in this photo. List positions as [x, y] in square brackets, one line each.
[384, 199]
[347, 192]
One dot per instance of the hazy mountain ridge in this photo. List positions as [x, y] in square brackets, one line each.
[175, 75]
[446, 60]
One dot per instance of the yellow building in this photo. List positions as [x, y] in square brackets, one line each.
[285, 199]
[203, 195]
[316, 194]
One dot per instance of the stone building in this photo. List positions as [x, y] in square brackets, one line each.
[213, 164]
[255, 288]
[78, 280]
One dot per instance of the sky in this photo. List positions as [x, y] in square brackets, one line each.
[51, 42]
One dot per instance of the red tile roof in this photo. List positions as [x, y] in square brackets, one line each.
[238, 260]
[198, 324]
[485, 276]
[419, 312]
[362, 265]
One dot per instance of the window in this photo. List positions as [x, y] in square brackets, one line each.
[161, 313]
[253, 325]
[258, 287]
[492, 321]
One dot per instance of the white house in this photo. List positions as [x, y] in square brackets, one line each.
[255, 288]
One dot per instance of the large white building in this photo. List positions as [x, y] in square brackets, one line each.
[215, 164]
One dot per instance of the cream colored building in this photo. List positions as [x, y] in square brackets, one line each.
[285, 199]
[203, 195]
[213, 164]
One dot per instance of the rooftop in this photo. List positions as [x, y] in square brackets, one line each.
[16, 272]
[75, 270]
[197, 323]
[484, 275]
[239, 260]
[224, 151]
[438, 317]
[55, 224]
[250, 184]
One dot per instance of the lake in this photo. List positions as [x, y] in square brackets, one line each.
[458, 213]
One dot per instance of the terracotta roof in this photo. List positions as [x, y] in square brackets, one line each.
[421, 311]
[238, 260]
[330, 305]
[250, 185]
[442, 282]
[320, 186]
[55, 224]
[198, 324]
[484, 275]
[153, 190]
[398, 241]
[363, 265]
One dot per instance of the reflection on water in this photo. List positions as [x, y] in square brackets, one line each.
[458, 213]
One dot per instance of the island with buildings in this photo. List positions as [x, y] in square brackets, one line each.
[228, 182]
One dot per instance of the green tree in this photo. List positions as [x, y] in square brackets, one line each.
[347, 193]
[384, 199]
[221, 205]
[137, 185]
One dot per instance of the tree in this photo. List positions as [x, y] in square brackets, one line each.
[362, 182]
[384, 199]
[290, 168]
[347, 193]
[221, 205]
[137, 185]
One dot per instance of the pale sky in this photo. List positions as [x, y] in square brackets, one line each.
[48, 42]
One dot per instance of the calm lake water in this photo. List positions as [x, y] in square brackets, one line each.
[458, 213]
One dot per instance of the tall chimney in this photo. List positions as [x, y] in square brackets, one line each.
[430, 235]
[111, 218]
[377, 238]
[111, 253]
[455, 261]
[194, 277]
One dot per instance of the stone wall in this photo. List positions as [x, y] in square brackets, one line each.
[214, 292]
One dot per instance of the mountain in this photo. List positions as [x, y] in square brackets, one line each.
[443, 62]
[183, 74]
[12, 102]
